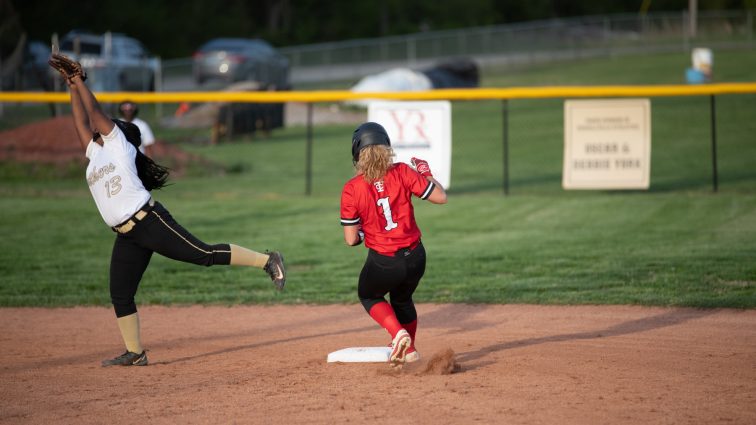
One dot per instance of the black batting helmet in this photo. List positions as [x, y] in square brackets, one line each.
[369, 133]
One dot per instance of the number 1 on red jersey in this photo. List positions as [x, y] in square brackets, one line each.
[384, 204]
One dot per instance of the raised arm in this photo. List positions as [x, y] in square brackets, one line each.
[81, 119]
[438, 196]
[75, 77]
[98, 121]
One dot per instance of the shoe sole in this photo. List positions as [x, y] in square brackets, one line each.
[399, 352]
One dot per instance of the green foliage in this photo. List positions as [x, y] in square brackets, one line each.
[175, 28]
[677, 244]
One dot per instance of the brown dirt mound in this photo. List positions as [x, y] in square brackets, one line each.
[49, 141]
[54, 142]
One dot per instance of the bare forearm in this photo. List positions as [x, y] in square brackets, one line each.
[438, 196]
[80, 117]
[98, 121]
[353, 236]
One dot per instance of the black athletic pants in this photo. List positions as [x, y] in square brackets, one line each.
[397, 276]
[157, 232]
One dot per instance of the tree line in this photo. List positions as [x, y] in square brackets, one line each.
[175, 28]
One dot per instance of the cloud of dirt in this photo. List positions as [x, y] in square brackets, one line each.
[443, 362]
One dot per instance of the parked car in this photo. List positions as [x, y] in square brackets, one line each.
[113, 61]
[239, 59]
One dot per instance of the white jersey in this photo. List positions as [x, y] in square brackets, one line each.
[113, 180]
[147, 137]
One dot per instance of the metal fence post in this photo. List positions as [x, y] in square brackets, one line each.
[157, 81]
[505, 143]
[714, 179]
[57, 109]
[308, 152]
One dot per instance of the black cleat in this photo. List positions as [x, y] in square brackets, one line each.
[275, 269]
[127, 359]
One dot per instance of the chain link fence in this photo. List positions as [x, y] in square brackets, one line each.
[506, 45]
[523, 43]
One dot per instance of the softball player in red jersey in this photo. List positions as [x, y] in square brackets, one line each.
[120, 179]
[376, 207]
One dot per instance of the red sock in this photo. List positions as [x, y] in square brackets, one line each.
[385, 316]
[411, 327]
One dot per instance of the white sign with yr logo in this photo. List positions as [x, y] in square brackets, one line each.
[419, 129]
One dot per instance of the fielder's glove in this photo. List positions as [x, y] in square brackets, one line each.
[67, 67]
[421, 166]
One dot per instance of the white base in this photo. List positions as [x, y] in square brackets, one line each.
[361, 355]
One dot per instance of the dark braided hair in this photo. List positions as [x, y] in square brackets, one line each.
[152, 174]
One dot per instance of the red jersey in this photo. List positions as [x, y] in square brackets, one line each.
[384, 208]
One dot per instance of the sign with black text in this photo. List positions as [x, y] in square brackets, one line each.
[607, 144]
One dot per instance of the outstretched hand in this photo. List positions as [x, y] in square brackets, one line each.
[421, 166]
[67, 67]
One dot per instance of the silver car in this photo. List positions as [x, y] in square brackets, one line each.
[114, 62]
[240, 59]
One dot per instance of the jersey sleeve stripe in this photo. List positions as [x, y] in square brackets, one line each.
[428, 190]
[350, 221]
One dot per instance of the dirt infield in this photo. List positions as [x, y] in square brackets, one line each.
[266, 364]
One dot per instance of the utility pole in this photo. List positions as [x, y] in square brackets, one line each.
[693, 16]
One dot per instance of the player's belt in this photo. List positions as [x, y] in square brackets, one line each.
[129, 224]
[404, 252]
[401, 252]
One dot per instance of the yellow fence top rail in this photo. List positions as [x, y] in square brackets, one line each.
[441, 94]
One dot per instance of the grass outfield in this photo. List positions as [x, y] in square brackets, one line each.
[676, 244]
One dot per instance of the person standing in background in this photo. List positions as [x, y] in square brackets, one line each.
[129, 111]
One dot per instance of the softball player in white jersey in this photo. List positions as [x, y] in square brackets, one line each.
[120, 179]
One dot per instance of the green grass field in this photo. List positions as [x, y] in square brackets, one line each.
[676, 244]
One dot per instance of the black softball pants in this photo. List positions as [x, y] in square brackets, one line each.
[397, 276]
[157, 232]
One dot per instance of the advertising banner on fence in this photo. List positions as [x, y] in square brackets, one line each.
[607, 144]
[419, 129]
